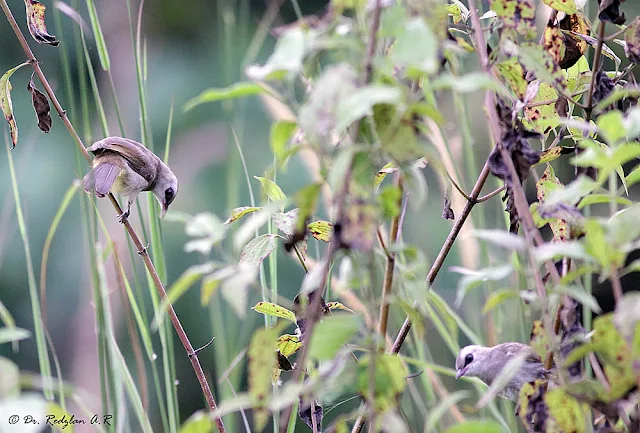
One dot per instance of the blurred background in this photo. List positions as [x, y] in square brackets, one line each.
[189, 46]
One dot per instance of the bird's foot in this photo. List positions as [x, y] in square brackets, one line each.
[123, 216]
[144, 249]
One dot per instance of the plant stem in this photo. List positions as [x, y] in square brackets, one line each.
[133, 235]
[391, 261]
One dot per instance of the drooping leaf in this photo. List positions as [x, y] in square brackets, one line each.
[609, 10]
[312, 414]
[239, 212]
[41, 106]
[5, 103]
[36, 24]
[632, 38]
[276, 310]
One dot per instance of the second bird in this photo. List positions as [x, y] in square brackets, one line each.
[126, 167]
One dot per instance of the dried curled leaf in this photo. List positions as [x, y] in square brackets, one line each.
[41, 106]
[35, 22]
[515, 140]
[447, 212]
[6, 105]
[603, 87]
[609, 10]
[305, 414]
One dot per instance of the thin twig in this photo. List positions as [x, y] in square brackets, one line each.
[134, 237]
[615, 284]
[595, 67]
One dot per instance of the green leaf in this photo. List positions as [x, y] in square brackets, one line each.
[360, 103]
[288, 55]
[257, 250]
[501, 238]
[397, 133]
[390, 380]
[467, 83]
[272, 190]
[281, 133]
[6, 105]
[390, 199]
[236, 90]
[472, 279]
[239, 212]
[276, 310]
[261, 360]
[331, 334]
[476, 427]
[511, 70]
[199, 422]
[422, 56]
[497, 297]
[13, 334]
[234, 282]
[612, 126]
[579, 294]
[536, 59]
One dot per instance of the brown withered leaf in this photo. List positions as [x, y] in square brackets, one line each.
[304, 412]
[35, 22]
[574, 46]
[603, 86]
[515, 140]
[632, 38]
[357, 228]
[447, 212]
[303, 311]
[283, 362]
[573, 334]
[609, 10]
[41, 106]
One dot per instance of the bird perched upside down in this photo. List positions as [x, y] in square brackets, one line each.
[127, 168]
[486, 363]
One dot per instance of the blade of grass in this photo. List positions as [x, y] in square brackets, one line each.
[36, 311]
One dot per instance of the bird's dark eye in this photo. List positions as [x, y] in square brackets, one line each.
[169, 194]
[468, 359]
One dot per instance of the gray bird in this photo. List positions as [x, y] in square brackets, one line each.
[126, 167]
[486, 363]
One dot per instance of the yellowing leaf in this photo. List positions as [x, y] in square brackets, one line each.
[271, 189]
[35, 22]
[288, 344]
[512, 71]
[567, 6]
[6, 105]
[338, 306]
[321, 230]
[274, 310]
[261, 361]
[567, 412]
[239, 212]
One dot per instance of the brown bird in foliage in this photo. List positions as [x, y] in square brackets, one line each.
[126, 167]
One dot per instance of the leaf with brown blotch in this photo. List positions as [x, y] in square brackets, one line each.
[6, 105]
[519, 15]
[357, 228]
[41, 106]
[575, 46]
[554, 42]
[35, 22]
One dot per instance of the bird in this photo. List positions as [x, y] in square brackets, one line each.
[126, 167]
[486, 363]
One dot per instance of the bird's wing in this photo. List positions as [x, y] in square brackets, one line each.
[141, 159]
[512, 349]
[101, 178]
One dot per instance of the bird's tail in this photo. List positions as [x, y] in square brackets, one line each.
[100, 179]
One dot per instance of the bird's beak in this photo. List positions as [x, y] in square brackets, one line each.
[163, 211]
[461, 373]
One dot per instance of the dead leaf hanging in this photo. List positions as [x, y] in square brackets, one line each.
[6, 105]
[41, 106]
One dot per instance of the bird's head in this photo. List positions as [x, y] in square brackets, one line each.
[166, 188]
[472, 361]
